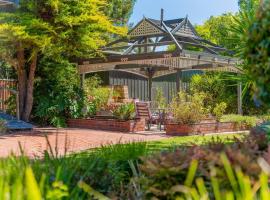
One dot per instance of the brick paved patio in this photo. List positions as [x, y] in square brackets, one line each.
[66, 140]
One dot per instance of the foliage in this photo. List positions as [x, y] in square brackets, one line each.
[219, 110]
[262, 129]
[206, 172]
[60, 29]
[216, 90]
[249, 5]
[188, 109]
[6, 71]
[11, 105]
[240, 120]
[125, 112]
[217, 30]
[257, 52]
[265, 118]
[120, 10]
[86, 175]
[97, 96]
[19, 181]
[160, 100]
[58, 95]
[105, 169]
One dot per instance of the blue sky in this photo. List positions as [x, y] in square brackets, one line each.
[197, 10]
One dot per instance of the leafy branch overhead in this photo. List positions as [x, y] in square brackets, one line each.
[61, 29]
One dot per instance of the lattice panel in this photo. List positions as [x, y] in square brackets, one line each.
[185, 30]
[145, 28]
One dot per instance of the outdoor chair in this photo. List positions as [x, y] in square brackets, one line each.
[143, 111]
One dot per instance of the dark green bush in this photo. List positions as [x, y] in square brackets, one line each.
[57, 93]
[257, 52]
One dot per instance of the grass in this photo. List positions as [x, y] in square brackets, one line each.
[193, 140]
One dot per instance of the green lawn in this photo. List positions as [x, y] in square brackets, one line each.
[193, 140]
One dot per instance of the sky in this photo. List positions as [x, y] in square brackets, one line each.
[198, 11]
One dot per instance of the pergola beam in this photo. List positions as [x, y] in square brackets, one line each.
[172, 36]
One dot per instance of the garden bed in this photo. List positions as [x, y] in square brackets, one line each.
[203, 128]
[128, 126]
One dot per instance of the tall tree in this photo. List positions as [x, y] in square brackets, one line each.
[257, 53]
[248, 5]
[120, 10]
[58, 28]
[217, 30]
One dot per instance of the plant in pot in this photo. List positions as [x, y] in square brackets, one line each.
[188, 109]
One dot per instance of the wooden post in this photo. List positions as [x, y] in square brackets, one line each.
[239, 98]
[17, 106]
[82, 80]
[151, 72]
[145, 46]
[150, 82]
[178, 81]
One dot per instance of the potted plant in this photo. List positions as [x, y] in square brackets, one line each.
[187, 110]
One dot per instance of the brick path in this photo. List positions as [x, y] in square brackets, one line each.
[66, 140]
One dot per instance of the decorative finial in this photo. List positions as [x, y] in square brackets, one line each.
[186, 19]
[161, 16]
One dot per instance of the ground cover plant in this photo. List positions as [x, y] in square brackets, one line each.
[107, 171]
[213, 171]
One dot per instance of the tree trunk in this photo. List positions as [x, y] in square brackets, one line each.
[22, 79]
[28, 104]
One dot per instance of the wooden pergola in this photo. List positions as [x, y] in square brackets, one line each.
[145, 52]
[7, 2]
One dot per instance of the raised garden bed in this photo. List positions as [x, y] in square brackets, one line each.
[203, 128]
[128, 126]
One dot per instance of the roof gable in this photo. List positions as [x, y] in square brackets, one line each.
[145, 28]
[185, 28]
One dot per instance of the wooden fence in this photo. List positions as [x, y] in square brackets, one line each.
[5, 93]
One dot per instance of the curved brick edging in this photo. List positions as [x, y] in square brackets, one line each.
[202, 128]
[133, 126]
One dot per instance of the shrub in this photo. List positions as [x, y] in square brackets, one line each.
[219, 110]
[262, 129]
[216, 90]
[97, 96]
[188, 109]
[57, 92]
[240, 120]
[125, 112]
[160, 100]
[257, 52]
[265, 118]
[211, 169]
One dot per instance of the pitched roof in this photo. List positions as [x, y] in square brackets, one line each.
[151, 34]
[180, 27]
